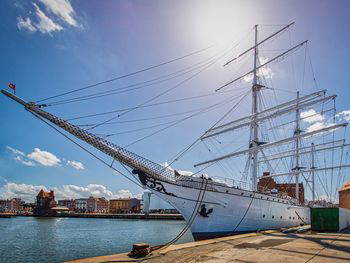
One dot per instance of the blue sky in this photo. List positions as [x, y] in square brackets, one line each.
[49, 48]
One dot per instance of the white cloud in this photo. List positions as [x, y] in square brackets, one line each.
[186, 173]
[25, 24]
[44, 158]
[63, 9]
[28, 192]
[95, 190]
[20, 156]
[343, 115]
[318, 121]
[23, 161]
[76, 165]
[265, 72]
[316, 126]
[311, 116]
[45, 24]
[15, 151]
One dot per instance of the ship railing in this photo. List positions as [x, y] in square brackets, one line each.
[212, 182]
[232, 183]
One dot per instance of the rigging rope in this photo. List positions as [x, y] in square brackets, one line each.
[135, 86]
[212, 62]
[83, 148]
[183, 152]
[148, 105]
[140, 129]
[179, 121]
[193, 215]
[127, 75]
[147, 119]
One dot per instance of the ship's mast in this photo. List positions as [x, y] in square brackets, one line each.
[297, 151]
[313, 171]
[254, 125]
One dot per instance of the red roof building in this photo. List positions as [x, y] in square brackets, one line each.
[266, 184]
[44, 202]
[344, 196]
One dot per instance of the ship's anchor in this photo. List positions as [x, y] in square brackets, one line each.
[204, 212]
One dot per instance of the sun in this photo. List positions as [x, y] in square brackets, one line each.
[222, 24]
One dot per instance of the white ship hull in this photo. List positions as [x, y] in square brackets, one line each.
[233, 211]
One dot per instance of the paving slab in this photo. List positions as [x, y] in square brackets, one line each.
[270, 246]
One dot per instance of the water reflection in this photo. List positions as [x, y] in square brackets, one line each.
[29, 239]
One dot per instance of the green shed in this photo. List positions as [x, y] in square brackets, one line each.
[329, 219]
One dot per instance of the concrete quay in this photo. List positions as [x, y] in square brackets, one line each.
[268, 246]
[120, 216]
[127, 216]
[7, 215]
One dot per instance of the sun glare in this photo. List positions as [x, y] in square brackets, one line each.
[219, 24]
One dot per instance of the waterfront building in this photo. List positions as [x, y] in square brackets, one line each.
[102, 205]
[44, 202]
[146, 199]
[344, 196]
[268, 185]
[91, 204]
[28, 208]
[14, 205]
[81, 205]
[69, 203]
[134, 205]
[151, 203]
[97, 205]
[59, 210]
[17, 205]
[124, 205]
[118, 206]
[3, 206]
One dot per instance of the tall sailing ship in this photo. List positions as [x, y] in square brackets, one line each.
[216, 207]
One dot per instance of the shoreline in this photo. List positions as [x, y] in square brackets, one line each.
[111, 216]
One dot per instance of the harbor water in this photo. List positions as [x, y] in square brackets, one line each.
[31, 239]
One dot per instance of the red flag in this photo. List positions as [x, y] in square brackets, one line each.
[12, 86]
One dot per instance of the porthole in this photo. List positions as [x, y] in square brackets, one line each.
[263, 215]
[226, 191]
[273, 199]
[250, 195]
[261, 197]
[290, 218]
[281, 217]
[293, 218]
[267, 198]
[273, 216]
